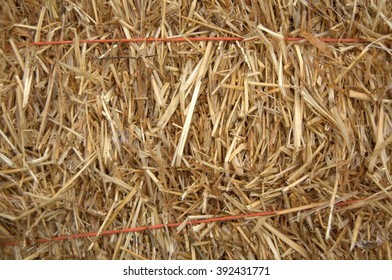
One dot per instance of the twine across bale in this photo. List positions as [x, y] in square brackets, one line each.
[262, 147]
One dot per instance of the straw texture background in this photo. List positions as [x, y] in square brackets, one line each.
[107, 136]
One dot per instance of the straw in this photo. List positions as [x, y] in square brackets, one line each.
[201, 130]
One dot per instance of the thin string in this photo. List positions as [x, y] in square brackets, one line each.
[182, 39]
[177, 224]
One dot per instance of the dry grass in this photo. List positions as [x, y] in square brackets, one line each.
[196, 129]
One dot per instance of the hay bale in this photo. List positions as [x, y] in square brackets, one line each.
[119, 150]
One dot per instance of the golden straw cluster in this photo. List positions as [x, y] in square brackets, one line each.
[110, 136]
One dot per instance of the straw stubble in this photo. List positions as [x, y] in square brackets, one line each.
[184, 140]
